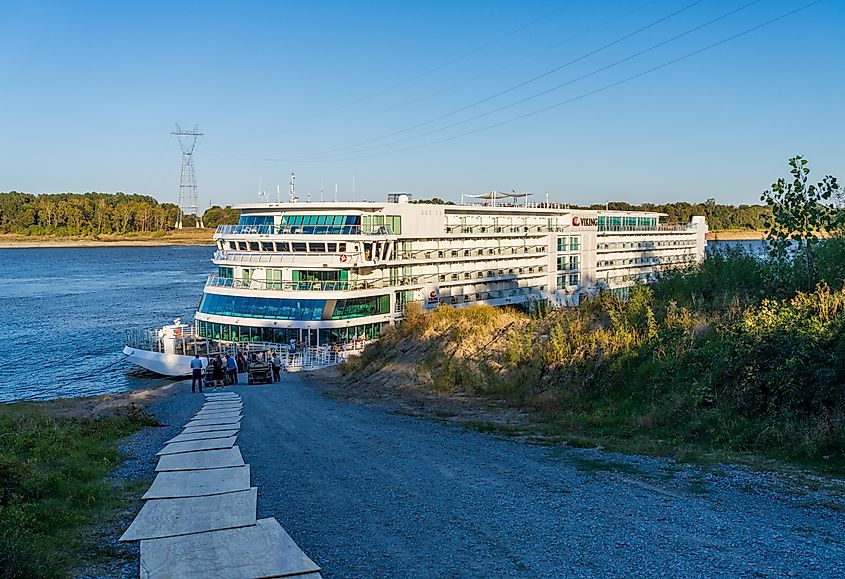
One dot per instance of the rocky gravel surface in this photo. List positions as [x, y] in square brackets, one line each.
[366, 493]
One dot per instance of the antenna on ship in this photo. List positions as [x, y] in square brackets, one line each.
[293, 198]
[335, 192]
[278, 193]
[188, 202]
[321, 191]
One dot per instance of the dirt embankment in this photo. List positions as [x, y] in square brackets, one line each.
[402, 372]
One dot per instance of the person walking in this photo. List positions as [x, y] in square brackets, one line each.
[196, 373]
[232, 368]
[277, 367]
[217, 372]
[241, 361]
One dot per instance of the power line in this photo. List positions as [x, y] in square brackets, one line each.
[229, 154]
[516, 86]
[436, 68]
[600, 89]
[466, 54]
[567, 83]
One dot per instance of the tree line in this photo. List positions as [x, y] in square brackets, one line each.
[121, 213]
[96, 213]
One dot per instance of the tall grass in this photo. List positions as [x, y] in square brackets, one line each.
[52, 486]
[726, 355]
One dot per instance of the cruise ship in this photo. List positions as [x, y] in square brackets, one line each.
[326, 277]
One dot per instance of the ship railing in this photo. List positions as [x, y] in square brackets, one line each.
[661, 227]
[301, 358]
[255, 284]
[186, 342]
[302, 230]
[277, 257]
[189, 343]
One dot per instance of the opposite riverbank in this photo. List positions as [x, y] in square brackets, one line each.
[181, 237]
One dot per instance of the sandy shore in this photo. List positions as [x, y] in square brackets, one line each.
[734, 235]
[95, 406]
[17, 242]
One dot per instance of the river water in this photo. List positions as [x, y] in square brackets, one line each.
[64, 313]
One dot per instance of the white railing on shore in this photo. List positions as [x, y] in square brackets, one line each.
[189, 343]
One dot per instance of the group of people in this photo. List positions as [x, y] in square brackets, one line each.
[225, 368]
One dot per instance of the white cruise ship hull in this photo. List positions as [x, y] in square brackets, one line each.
[159, 362]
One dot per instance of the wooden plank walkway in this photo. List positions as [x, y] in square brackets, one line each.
[199, 518]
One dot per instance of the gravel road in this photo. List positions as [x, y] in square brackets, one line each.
[366, 493]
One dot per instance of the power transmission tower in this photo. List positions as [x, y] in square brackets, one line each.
[188, 201]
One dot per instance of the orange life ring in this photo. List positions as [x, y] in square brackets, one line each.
[433, 294]
[177, 332]
[343, 258]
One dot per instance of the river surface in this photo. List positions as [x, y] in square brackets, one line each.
[64, 313]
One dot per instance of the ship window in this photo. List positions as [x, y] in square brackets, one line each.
[242, 245]
[298, 247]
[341, 247]
[331, 247]
[233, 245]
[360, 307]
[256, 220]
[282, 246]
[253, 246]
[318, 247]
[266, 246]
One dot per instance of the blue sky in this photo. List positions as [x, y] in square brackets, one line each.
[333, 90]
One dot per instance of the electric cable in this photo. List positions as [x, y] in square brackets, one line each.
[565, 84]
[597, 90]
[523, 83]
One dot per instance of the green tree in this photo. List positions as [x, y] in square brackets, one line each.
[800, 214]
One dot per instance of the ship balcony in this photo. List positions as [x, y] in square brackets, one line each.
[356, 230]
[339, 260]
[309, 286]
[661, 228]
